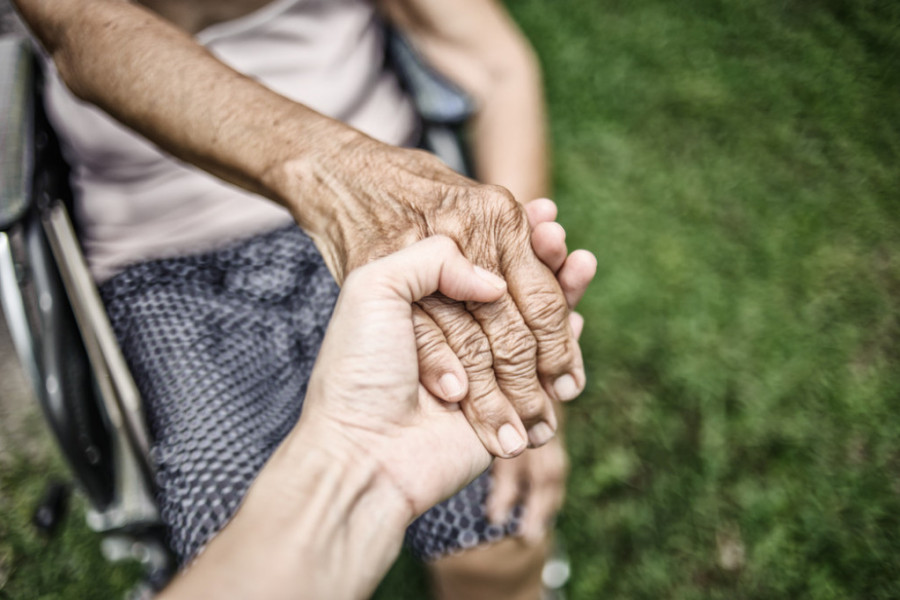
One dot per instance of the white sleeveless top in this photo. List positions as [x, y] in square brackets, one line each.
[134, 202]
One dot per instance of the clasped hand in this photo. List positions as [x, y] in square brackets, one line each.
[505, 361]
[371, 442]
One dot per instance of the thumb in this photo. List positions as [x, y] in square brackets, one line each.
[430, 265]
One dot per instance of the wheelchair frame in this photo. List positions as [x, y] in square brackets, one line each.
[60, 330]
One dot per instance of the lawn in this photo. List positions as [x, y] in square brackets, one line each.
[735, 166]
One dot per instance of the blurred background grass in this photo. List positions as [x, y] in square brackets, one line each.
[734, 166]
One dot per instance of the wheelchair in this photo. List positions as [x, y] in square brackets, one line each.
[58, 323]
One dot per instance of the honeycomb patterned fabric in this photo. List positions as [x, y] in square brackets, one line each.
[221, 345]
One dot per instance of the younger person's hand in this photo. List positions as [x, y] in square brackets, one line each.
[372, 450]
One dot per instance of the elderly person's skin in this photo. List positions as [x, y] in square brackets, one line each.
[359, 199]
[372, 450]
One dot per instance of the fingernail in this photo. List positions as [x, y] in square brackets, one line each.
[540, 434]
[565, 387]
[510, 440]
[451, 386]
[491, 278]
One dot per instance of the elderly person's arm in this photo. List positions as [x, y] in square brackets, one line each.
[357, 198]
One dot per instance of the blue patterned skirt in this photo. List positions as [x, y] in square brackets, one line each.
[221, 345]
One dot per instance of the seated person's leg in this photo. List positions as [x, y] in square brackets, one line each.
[509, 569]
[470, 558]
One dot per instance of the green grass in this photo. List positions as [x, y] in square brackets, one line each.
[67, 565]
[735, 166]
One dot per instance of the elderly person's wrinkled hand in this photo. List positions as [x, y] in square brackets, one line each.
[505, 360]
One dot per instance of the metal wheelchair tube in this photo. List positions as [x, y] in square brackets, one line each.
[118, 392]
[14, 308]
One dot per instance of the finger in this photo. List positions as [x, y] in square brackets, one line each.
[505, 491]
[541, 505]
[514, 350]
[487, 409]
[575, 275]
[549, 243]
[546, 492]
[439, 368]
[576, 322]
[429, 265]
[543, 307]
[542, 304]
[540, 210]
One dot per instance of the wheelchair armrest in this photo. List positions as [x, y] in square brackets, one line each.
[16, 129]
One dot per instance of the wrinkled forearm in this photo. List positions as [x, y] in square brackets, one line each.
[156, 79]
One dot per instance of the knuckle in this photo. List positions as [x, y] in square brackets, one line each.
[525, 394]
[513, 345]
[515, 351]
[546, 312]
[437, 305]
[462, 333]
[502, 208]
[489, 218]
[423, 326]
[530, 407]
[477, 363]
[475, 355]
[555, 358]
[555, 345]
[430, 347]
[498, 196]
[480, 409]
